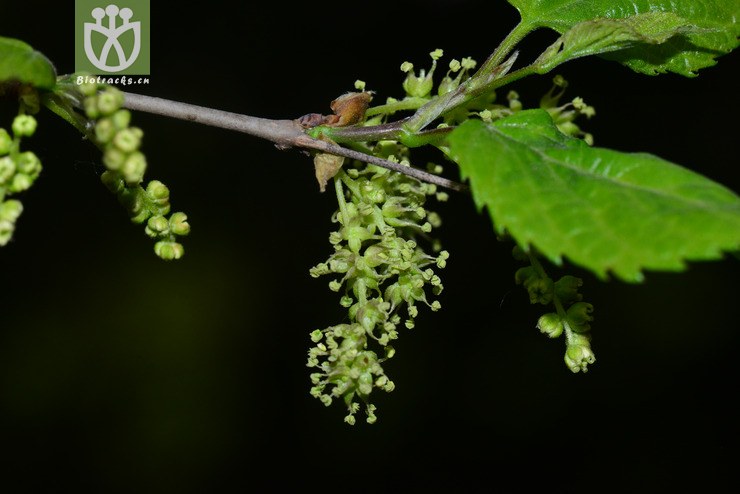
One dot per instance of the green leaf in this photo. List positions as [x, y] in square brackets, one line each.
[715, 29]
[19, 62]
[607, 35]
[604, 210]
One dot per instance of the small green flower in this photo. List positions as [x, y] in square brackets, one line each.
[550, 324]
[121, 119]
[7, 169]
[20, 182]
[10, 210]
[90, 105]
[578, 354]
[179, 224]
[127, 140]
[168, 250]
[113, 181]
[109, 101]
[579, 316]
[514, 103]
[157, 226]
[6, 232]
[133, 168]
[104, 130]
[87, 88]
[114, 158]
[419, 86]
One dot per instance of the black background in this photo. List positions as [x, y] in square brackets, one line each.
[123, 373]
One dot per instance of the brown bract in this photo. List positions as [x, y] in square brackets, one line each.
[326, 165]
[349, 109]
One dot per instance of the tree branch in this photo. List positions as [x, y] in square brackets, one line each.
[284, 133]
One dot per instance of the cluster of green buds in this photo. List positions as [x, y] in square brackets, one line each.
[18, 171]
[125, 167]
[383, 274]
[572, 316]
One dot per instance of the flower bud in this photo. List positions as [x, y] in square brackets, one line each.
[104, 130]
[113, 181]
[319, 270]
[121, 119]
[7, 169]
[20, 182]
[579, 316]
[133, 168]
[523, 275]
[514, 103]
[157, 226]
[6, 142]
[355, 235]
[90, 105]
[550, 324]
[569, 128]
[375, 255]
[127, 140]
[365, 383]
[6, 231]
[10, 210]
[168, 250]
[24, 125]
[158, 192]
[179, 224]
[579, 355]
[28, 163]
[133, 200]
[566, 289]
[88, 88]
[113, 158]
[371, 313]
[109, 101]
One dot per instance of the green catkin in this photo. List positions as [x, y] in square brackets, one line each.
[572, 316]
[126, 165]
[18, 172]
[384, 274]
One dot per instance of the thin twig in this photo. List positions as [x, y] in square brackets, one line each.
[284, 133]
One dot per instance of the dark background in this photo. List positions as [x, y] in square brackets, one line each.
[123, 373]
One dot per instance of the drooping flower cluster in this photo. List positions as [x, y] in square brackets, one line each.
[383, 273]
[18, 171]
[572, 316]
[126, 165]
